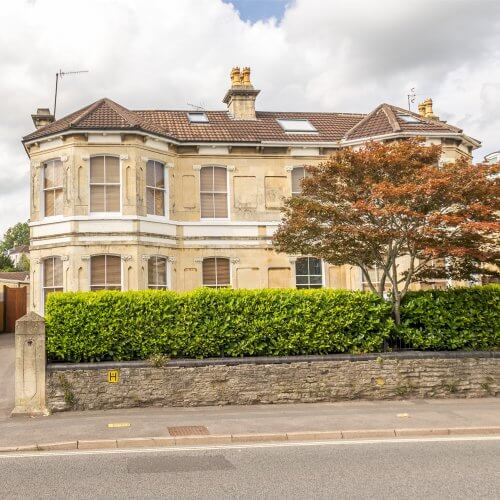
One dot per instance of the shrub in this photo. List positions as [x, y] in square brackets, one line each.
[108, 325]
[459, 318]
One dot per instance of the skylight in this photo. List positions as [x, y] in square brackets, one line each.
[197, 117]
[409, 119]
[296, 125]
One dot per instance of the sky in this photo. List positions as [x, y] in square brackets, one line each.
[305, 55]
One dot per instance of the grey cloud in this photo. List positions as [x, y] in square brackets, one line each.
[324, 56]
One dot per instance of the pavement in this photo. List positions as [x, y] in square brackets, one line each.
[146, 427]
[7, 360]
[441, 468]
[166, 427]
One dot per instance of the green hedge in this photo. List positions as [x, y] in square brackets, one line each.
[97, 326]
[459, 318]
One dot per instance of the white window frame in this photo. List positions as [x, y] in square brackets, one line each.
[105, 270]
[197, 113]
[42, 280]
[228, 194]
[297, 193]
[165, 191]
[42, 189]
[105, 184]
[167, 272]
[216, 287]
[311, 129]
[322, 265]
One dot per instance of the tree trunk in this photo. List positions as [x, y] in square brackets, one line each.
[396, 309]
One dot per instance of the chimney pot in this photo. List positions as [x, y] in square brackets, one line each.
[425, 109]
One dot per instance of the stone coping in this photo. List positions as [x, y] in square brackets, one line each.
[274, 360]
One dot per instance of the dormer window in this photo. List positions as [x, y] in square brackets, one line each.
[296, 125]
[197, 117]
[409, 119]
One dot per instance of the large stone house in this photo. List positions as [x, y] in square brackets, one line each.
[129, 200]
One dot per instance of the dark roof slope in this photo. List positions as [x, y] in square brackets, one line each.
[106, 114]
[387, 119]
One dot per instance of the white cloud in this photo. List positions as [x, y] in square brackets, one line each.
[326, 56]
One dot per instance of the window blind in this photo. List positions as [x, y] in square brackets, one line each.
[213, 188]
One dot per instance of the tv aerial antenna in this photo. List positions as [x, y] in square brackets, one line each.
[411, 97]
[197, 107]
[59, 75]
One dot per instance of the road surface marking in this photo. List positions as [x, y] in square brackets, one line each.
[277, 444]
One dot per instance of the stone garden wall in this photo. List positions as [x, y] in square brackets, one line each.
[296, 379]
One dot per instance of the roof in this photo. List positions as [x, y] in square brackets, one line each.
[19, 249]
[386, 119]
[15, 276]
[106, 114]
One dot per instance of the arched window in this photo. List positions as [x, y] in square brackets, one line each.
[213, 192]
[155, 188]
[216, 272]
[105, 272]
[52, 269]
[105, 184]
[308, 272]
[298, 173]
[53, 188]
[157, 273]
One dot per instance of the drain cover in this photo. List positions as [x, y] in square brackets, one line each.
[188, 430]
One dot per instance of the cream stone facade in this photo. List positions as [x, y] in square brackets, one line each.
[258, 177]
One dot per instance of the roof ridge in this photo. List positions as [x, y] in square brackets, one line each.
[122, 111]
[362, 122]
[85, 112]
[391, 116]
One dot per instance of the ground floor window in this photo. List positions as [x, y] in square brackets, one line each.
[105, 272]
[308, 272]
[157, 273]
[216, 272]
[52, 276]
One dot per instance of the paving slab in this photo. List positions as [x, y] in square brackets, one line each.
[259, 419]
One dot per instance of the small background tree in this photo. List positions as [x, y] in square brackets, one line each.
[386, 203]
[19, 234]
[16, 235]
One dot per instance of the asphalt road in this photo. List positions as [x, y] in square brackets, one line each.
[462, 468]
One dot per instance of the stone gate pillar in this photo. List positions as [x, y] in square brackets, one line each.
[30, 366]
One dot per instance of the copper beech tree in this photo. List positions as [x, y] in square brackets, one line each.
[394, 207]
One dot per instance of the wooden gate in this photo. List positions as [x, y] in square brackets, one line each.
[15, 306]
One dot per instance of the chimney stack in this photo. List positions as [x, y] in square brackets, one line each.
[425, 109]
[240, 98]
[42, 117]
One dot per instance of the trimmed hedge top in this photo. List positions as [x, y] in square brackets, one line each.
[108, 325]
[458, 318]
[119, 326]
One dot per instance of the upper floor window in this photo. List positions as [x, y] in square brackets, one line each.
[105, 272]
[155, 187]
[104, 184]
[213, 188]
[157, 273]
[298, 173]
[308, 272]
[216, 272]
[52, 276]
[53, 188]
